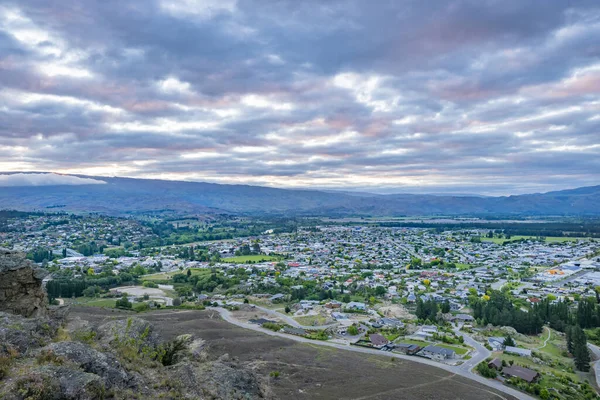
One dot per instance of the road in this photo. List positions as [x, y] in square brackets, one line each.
[596, 351]
[480, 353]
[458, 370]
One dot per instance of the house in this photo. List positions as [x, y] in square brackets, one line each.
[496, 363]
[464, 318]
[354, 305]
[277, 297]
[518, 351]
[338, 316]
[406, 348]
[390, 322]
[437, 352]
[333, 304]
[526, 374]
[377, 340]
[496, 343]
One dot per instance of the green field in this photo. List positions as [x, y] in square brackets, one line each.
[549, 239]
[169, 275]
[413, 341]
[457, 350]
[311, 320]
[251, 258]
[92, 302]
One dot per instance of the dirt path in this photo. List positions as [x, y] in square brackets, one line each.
[545, 341]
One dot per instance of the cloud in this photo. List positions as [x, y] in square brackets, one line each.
[337, 94]
[32, 179]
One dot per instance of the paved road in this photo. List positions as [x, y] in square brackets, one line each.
[596, 351]
[226, 315]
[480, 353]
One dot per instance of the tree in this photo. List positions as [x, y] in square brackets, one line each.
[64, 252]
[123, 302]
[287, 309]
[352, 330]
[189, 273]
[446, 307]
[509, 341]
[379, 291]
[580, 349]
[176, 302]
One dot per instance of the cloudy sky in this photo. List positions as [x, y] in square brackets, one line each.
[491, 97]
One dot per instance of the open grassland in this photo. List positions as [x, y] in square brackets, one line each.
[168, 275]
[92, 302]
[250, 259]
[311, 320]
[308, 371]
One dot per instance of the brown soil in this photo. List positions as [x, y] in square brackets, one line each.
[310, 371]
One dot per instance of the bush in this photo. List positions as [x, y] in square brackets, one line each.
[272, 326]
[149, 284]
[485, 371]
[176, 302]
[169, 351]
[141, 307]
[123, 302]
[274, 374]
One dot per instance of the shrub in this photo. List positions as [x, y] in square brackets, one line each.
[168, 352]
[141, 307]
[177, 302]
[149, 284]
[274, 374]
[49, 357]
[485, 371]
[272, 326]
[123, 302]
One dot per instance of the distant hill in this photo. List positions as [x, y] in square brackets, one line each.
[121, 196]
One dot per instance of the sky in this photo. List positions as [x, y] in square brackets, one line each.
[488, 97]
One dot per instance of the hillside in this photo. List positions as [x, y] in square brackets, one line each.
[137, 196]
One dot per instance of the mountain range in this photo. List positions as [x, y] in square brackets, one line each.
[127, 196]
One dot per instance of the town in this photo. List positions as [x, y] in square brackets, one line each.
[472, 300]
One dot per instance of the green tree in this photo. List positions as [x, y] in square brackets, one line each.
[509, 341]
[287, 309]
[580, 350]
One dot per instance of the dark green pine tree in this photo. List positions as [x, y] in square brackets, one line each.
[581, 352]
[569, 338]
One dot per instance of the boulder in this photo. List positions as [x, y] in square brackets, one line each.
[55, 383]
[219, 380]
[131, 328]
[21, 289]
[94, 362]
[25, 334]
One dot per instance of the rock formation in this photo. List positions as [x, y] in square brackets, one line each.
[21, 289]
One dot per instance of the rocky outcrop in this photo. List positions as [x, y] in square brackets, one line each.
[21, 289]
[92, 361]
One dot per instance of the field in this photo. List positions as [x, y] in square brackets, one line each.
[457, 350]
[92, 302]
[251, 258]
[309, 371]
[549, 239]
[168, 275]
[311, 320]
